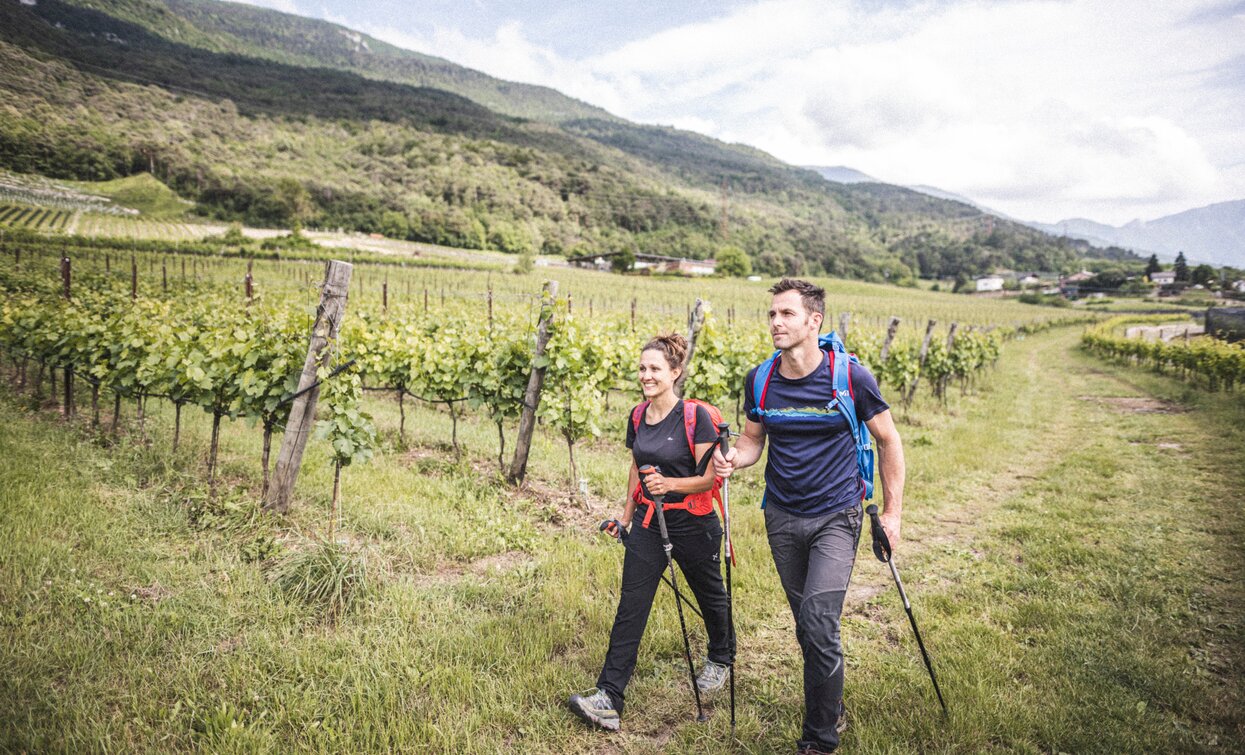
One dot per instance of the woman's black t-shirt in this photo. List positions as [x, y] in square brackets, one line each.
[665, 445]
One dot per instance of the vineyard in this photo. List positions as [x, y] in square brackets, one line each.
[34, 218]
[1217, 365]
[198, 343]
[405, 537]
[101, 224]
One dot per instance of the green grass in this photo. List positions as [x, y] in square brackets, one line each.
[142, 191]
[1075, 566]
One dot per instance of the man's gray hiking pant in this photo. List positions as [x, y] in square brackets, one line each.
[814, 557]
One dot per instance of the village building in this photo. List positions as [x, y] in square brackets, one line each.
[654, 264]
[990, 283]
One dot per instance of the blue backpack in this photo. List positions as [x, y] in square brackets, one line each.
[841, 409]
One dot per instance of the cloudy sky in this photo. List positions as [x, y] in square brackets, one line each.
[1043, 109]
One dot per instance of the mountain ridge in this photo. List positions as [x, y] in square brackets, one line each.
[1213, 233]
[97, 95]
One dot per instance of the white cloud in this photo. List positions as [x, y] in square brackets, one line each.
[1044, 108]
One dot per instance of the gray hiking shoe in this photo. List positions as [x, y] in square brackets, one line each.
[596, 708]
[712, 676]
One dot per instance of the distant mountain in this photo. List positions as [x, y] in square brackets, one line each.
[273, 119]
[226, 27]
[1214, 234]
[951, 196]
[841, 174]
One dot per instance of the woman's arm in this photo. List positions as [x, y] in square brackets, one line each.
[633, 479]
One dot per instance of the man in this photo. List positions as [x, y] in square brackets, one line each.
[813, 491]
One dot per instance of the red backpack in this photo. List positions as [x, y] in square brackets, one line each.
[697, 504]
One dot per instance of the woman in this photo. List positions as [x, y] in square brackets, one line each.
[657, 435]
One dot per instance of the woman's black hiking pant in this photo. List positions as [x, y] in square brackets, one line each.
[645, 562]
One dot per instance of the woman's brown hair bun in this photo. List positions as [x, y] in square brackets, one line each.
[672, 345]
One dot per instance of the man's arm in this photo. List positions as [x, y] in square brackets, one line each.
[746, 451]
[891, 466]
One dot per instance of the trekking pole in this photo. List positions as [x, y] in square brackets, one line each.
[882, 549]
[622, 540]
[659, 504]
[724, 438]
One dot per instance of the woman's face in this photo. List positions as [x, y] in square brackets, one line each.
[656, 376]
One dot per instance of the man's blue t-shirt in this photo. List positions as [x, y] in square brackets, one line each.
[812, 466]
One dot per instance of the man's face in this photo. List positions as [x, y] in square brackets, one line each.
[789, 322]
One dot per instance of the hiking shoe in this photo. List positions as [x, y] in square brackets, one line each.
[840, 727]
[596, 708]
[712, 676]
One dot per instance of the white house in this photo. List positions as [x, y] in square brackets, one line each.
[1239, 286]
[1163, 277]
[990, 283]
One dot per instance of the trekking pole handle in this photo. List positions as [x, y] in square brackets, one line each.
[881, 543]
[622, 531]
[648, 469]
[659, 503]
[724, 437]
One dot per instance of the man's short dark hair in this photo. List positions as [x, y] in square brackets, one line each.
[812, 296]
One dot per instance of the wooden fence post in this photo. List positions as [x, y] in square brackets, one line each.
[333, 295]
[535, 380]
[844, 319]
[133, 277]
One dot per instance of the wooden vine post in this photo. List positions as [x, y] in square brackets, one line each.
[66, 280]
[929, 332]
[695, 322]
[942, 381]
[890, 336]
[535, 380]
[333, 295]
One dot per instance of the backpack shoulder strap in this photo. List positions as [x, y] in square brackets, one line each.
[760, 379]
[689, 424]
[840, 374]
[637, 414]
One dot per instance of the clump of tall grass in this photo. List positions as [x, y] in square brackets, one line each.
[324, 574]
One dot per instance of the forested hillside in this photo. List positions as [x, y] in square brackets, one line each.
[274, 120]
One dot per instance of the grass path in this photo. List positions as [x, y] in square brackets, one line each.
[1072, 545]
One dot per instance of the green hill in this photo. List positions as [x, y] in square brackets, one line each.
[142, 192]
[260, 117]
